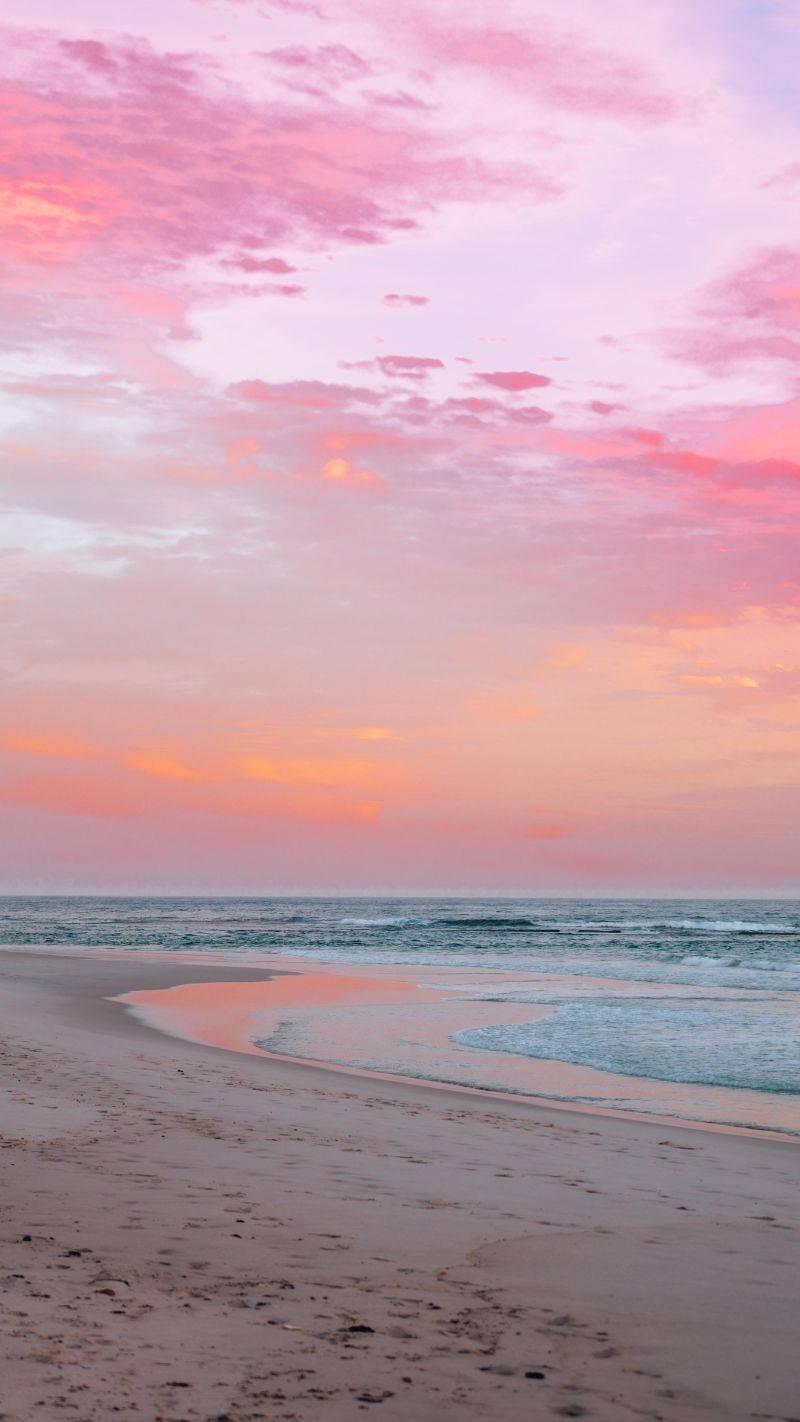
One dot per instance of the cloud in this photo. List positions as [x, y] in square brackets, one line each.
[602, 407]
[559, 69]
[731, 679]
[408, 367]
[87, 178]
[276, 594]
[161, 764]
[787, 178]
[56, 745]
[400, 100]
[285, 289]
[513, 380]
[314, 394]
[330, 63]
[396, 298]
[477, 411]
[566, 656]
[276, 265]
[341, 471]
[751, 314]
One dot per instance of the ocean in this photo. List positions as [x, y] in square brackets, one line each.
[701, 995]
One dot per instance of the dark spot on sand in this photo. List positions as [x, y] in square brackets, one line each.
[534, 1373]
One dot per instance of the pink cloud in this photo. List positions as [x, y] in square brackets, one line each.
[400, 100]
[513, 380]
[787, 177]
[563, 71]
[653, 438]
[91, 390]
[331, 62]
[285, 289]
[478, 411]
[312, 393]
[342, 472]
[218, 558]
[753, 313]
[396, 298]
[408, 367]
[366, 235]
[85, 177]
[276, 265]
[766, 289]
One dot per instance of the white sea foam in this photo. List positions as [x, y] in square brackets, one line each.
[393, 922]
[632, 955]
[677, 1041]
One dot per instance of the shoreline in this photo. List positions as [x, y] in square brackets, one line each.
[162, 1011]
[158, 1008]
[197, 1233]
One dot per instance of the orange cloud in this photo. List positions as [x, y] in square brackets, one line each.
[59, 746]
[43, 219]
[748, 682]
[691, 617]
[566, 656]
[319, 772]
[341, 471]
[243, 449]
[162, 765]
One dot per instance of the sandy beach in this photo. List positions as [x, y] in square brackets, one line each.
[193, 1233]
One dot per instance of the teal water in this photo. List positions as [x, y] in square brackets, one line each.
[710, 988]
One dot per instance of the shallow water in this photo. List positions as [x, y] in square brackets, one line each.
[691, 993]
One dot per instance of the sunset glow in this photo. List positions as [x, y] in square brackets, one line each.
[400, 446]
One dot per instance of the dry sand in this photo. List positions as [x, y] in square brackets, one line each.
[188, 1233]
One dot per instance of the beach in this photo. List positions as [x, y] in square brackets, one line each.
[193, 1232]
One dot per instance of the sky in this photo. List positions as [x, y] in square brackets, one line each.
[400, 446]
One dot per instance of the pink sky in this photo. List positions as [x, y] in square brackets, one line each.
[400, 446]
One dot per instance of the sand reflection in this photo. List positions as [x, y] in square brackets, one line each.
[377, 1023]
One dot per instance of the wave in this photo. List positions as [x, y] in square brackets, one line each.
[487, 921]
[733, 927]
[675, 1041]
[581, 928]
[380, 922]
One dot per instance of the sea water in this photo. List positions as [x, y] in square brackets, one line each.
[701, 991]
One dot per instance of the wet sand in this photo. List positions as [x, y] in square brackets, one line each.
[366, 1018]
[194, 1233]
